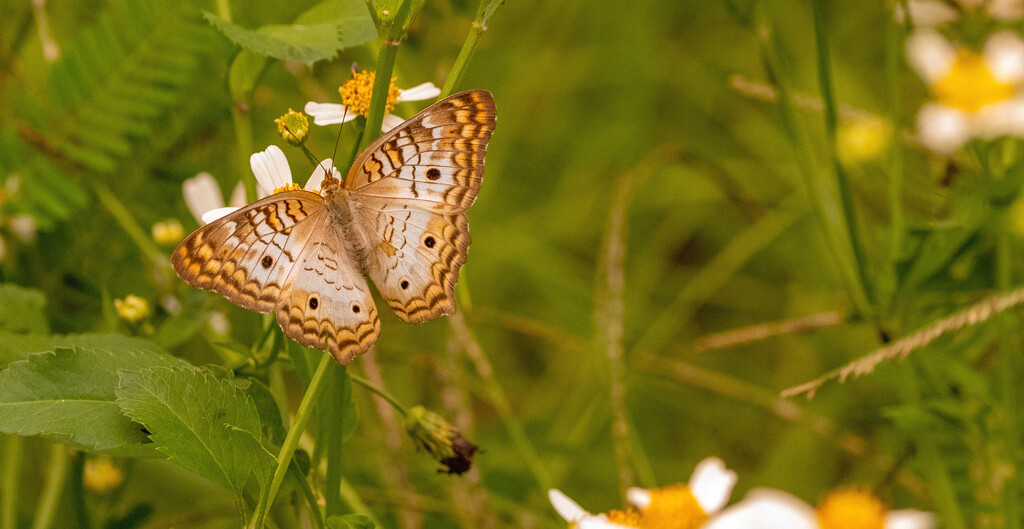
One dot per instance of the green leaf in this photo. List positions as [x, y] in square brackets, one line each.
[69, 394]
[14, 347]
[21, 309]
[350, 521]
[270, 415]
[319, 34]
[200, 421]
[246, 69]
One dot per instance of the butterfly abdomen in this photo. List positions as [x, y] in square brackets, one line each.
[356, 245]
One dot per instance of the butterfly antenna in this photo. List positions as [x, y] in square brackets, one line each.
[344, 116]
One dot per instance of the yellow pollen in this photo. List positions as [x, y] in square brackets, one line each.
[969, 86]
[851, 509]
[293, 127]
[356, 92]
[290, 187]
[673, 507]
[628, 518]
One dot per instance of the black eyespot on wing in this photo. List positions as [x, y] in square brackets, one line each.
[433, 173]
[429, 241]
[356, 309]
[314, 303]
[404, 284]
[267, 261]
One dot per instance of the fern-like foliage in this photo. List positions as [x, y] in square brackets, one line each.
[119, 75]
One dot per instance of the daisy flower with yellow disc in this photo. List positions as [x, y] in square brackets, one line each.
[682, 506]
[355, 101]
[842, 509]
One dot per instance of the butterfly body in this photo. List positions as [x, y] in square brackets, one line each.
[398, 217]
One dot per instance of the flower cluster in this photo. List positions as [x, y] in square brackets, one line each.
[701, 503]
[976, 92]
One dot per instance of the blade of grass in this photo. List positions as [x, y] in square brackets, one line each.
[56, 477]
[9, 486]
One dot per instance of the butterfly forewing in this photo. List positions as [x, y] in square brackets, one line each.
[434, 161]
[248, 255]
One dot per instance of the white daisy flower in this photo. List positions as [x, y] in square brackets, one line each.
[202, 194]
[775, 509]
[932, 13]
[273, 175]
[687, 506]
[355, 101]
[579, 518]
[975, 95]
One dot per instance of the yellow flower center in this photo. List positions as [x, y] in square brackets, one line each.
[101, 475]
[290, 187]
[356, 92]
[293, 127]
[673, 507]
[628, 518]
[970, 85]
[132, 309]
[851, 509]
[862, 139]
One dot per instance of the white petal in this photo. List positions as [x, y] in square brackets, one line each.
[597, 522]
[1005, 9]
[1001, 119]
[910, 519]
[930, 54]
[390, 122]
[639, 498]
[317, 178]
[238, 196]
[419, 92]
[569, 510]
[23, 227]
[201, 194]
[943, 129]
[766, 509]
[711, 484]
[215, 214]
[927, 13]
[271, 169]
[1004, 56]
[329, 113]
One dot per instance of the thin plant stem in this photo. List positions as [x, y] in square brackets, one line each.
[242, 122]
[381, 85]
[609, 315]
[291, 440]
[500, 402]
[307, 492]
[820, 200]
[483, 12]
[897, 220]
[127, 222]
[56, 478]
[331, 431]
[831, 125]
[379, 392]
[9, 485]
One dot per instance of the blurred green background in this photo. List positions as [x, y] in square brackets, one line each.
[638, 124]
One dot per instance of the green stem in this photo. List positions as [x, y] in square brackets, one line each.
[332, 430]
[379, 392]
[55, 480]
[307, 492]
[466, 53]
[127, 222]
[381, 85]
[9, 486]
[894, 52]
[291, 441]
[242, 121]
[831, 125]
[820, 199]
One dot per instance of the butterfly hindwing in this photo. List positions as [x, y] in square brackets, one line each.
[433, 161]
[416, 262]
[328, 301]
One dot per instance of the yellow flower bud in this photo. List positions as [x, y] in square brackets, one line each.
[132, 309]
[293, 127]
